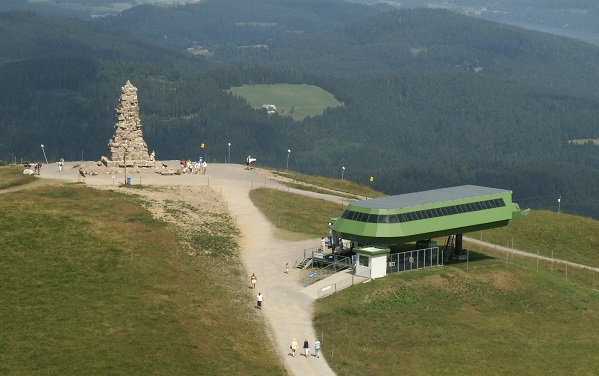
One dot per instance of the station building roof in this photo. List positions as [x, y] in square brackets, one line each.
[435, 196]
[425, 215]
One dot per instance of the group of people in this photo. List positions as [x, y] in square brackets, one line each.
[306, 348]
[188, 167]
[294, 344]
[37, 168]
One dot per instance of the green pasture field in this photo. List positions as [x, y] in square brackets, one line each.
[342, 188]
[491, 316]
[297, 101]
[295, 213]
[92, 284]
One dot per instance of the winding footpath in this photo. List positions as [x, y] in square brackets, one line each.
[287, 309]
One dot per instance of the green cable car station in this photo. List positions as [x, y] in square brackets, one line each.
[371, 227]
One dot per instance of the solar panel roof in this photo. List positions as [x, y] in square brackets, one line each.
[434, 196]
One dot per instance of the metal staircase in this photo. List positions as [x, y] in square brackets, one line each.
[305, 263]
[449, 248]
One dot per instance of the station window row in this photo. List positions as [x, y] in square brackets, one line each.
[423, 214]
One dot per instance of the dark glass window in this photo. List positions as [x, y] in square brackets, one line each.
[383, 219]
[491, 204]
[444, 211]
[459, 208]
[393, 218]
[430, 213]
[478, 206]
[359, 217]
[484, 204]
[344, 214]
[373, 218]
[402, 218]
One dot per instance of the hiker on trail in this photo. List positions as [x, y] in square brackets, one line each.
[293, 347]
[306, 348]
[260, 298]
[253, 280]
[317, 348]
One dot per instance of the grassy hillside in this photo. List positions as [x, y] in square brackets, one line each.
[297, 101]
[93, 284]
[490, 320]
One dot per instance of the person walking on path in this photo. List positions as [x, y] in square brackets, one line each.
[317, 348]
[253, 279]
[306, 348]
[293, 347]
[260, 298]
[287, 268]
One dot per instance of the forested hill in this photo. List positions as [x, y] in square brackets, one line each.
[424, 40]
[411, 126]
[236, 23]
[27, 35]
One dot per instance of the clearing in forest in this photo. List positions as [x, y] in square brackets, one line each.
[297, 101]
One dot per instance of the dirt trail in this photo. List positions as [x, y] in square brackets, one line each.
[226, 187]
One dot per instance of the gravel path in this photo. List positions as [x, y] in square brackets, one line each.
[286, 309]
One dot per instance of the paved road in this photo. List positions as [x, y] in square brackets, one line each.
[286, 308]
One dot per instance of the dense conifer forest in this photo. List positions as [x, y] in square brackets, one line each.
[431, 98]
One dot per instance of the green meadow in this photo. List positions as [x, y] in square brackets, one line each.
[92, 284]
[297, 101]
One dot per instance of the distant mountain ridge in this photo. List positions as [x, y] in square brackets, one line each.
[426, 41]
[431, 99]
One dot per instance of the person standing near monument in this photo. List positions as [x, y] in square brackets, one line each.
[253, 280]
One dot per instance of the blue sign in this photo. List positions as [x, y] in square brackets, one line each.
[311, 274]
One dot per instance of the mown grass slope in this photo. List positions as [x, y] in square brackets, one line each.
[91, 283]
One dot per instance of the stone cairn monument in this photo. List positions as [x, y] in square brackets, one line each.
[127, 146]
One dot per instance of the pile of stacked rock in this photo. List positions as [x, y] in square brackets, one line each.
[127, 146]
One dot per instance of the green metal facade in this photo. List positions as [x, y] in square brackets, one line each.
[424, 215]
